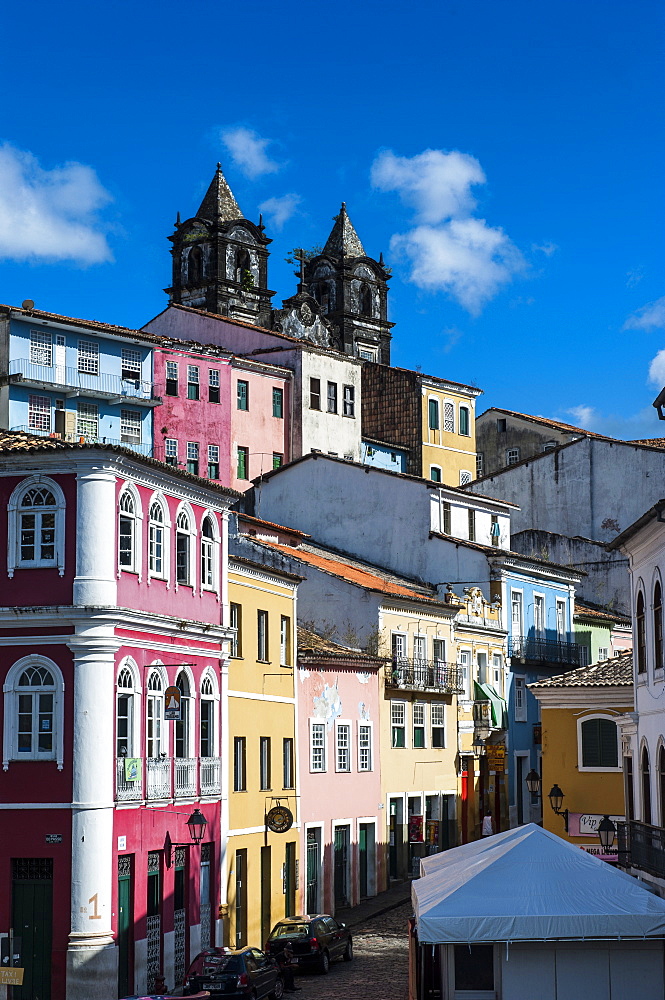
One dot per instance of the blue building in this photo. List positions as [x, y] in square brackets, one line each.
[75, 379]
[383, 456]
[539, 601]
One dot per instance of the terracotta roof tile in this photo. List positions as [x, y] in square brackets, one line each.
[593, 611]
[92, 324]
[617, 671]
[312, 644]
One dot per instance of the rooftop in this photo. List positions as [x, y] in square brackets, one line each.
[617, 671]
[312, 644]
[586, 610]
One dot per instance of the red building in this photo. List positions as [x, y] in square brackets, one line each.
[115, 590]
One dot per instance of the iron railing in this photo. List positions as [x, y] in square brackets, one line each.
[169, 778]
[642, 846]
[143, 448]
[524, 647]
[424, 675]
[104, 384]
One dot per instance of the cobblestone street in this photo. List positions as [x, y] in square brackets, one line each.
[379, 970]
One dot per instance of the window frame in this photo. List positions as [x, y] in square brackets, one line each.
[133, 693]
[365, 748]
[349, 401]
[213, 461]
[466, 431]
[448, 421]
[512, 456]
[435, 474]
[87, 419]
[209, 695]
[262, 636]
[239, 764]
[87, 353]
[520, 705]
[433, 413]
[214, 385]
[343, 737]
[242, 394]
[156, 733]
[235, 613]
[12, 692]
[242, 450]
[278, 402]
[319, 729]
[314, 393]
[421, 725]
[136, 517]
[153, 527]
[171, 459]
[265, 763]
[193, 457]
[288, 762]
[439, 727]
[39, 413]
[130, 365]
[601, 769]
[396, 725]
[131, 421]
[209, 551]
[193, 382]
[539, 601]
[41, 340]
[331, 397]
[14, 510]
[284, 640]
[189, 534]
[171, 382]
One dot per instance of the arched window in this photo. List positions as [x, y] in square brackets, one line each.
[209, 539]
[158, 550]
[207, 745]
[646, 787]
[129, 531]
[154, 715]
[657, 627]
[183, 726]
[183, 548]
[365, 307]
[661, 781]
[641, 635]
[36, 526]
[194, 266]
[243, 265]
[33, 711]
[124, 724]
[598, 737]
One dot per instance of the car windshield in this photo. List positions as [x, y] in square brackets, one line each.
[214, 964]
[290, 931]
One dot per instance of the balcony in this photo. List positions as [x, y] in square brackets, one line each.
[424, 675]
[72, 382]
[143, 448]
[642, 846]
[531, 649]
[169, 778]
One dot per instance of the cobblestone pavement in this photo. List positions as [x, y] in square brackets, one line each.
[379, 970]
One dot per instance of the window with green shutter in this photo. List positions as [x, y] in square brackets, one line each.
[599, 743]
[433, 414]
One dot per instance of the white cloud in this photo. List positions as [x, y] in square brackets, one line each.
[50, 215]
[248, 151]
[448, 249]
[657, 369]
[279, 210]
[649, 317]
[547, 248]
[634, 276]
[584, 415]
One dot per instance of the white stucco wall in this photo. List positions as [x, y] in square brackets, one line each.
[328, 432]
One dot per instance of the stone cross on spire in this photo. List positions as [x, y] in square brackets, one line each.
[343, 239]
[219, 204]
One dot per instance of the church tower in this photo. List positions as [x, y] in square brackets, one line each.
[352, 291]
[220, 259]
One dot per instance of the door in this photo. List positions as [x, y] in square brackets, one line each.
[266, 892]
[290, 879]
[395, 837]
[125, 936]
[312, 872]
[520, 774]
[180, 922]
[60, 359]
[367, 859]
[341, 858]
[32, 920]
[362, 859]
[241, 898]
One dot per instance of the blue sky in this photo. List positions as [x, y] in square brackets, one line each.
[506, 158]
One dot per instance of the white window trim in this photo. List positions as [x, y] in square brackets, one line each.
[432, 727]
[128, 663]
[192, 728]
[395, 632]
[439, 470]
[322, 723]
[451, 402]
[520, 592]
[523, 711]
[599, 770]
[464, 406]
[370, 726]
[426, 744]
[209, 673]
[11, 692]
[465, 477]
[562, 602]
[158, 667]
[439, 414]
[166, 543]
[193, 562]
[13, 535]
[466, 696]
[349, 747]
[540, 632]
[404, 725]
[137, 552]
[216, 542]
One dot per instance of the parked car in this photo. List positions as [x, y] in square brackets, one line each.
[165, 996]
[316, 939]
[230, 972]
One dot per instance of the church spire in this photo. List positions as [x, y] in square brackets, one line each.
[219, 204]
[343, 239]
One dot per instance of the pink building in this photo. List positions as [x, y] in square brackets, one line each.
[115, 590]
[340, 777]
[261, 424]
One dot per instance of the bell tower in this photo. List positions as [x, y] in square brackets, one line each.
[352, 291]
[220, 259]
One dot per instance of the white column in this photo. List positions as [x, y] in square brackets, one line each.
[91, 953]
[226, 750]
[95, 582]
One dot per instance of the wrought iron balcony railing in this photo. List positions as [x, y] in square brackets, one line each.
[185, 777]
[642, 846]
[103, 385]
[142, 447]
[424, 675]
[168, 778]
[524, 647]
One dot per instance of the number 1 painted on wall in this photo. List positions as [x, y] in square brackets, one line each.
[94, 915]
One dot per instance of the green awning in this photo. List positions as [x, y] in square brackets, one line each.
[485, 692]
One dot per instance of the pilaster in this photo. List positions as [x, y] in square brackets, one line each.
[95, 582]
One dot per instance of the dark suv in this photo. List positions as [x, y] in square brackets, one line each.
[316, 940]
[229, 973]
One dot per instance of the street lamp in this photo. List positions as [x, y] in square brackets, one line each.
[533, 782]
[197, 826]
[606, 833]
[556, 798]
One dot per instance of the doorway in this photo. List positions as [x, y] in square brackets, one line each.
[396, 836]
[266, 893]
[241, 898]
[313, 867]
[366, 859]
[125, 938]
[341, 865]
[32, 920]
[290, 879]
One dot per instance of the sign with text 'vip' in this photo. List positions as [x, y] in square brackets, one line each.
[172, 704]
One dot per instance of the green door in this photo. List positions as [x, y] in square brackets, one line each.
[290, 880]
[266, 894]
[32, 920]
[124, 937]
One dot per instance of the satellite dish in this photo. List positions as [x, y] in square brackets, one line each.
[27, 304]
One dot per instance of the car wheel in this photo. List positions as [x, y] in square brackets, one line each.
[348, 954]
[324, 964]
[278, 991]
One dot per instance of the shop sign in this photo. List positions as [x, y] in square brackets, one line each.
[12, 976]
[586, 824]
[496, 757]
[415, 829]
[279, 819]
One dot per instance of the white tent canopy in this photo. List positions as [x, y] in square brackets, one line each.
[529, 885]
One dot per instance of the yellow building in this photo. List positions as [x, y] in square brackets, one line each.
[480, 637]
[448, 426]
[260, 869]
[581, 747]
